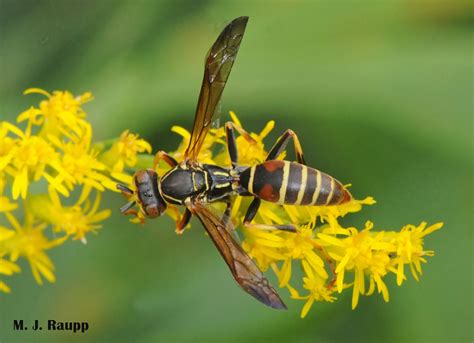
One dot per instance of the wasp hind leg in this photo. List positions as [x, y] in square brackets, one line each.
[252, 211]
[231, 143]
[226, 215]
[281, 144]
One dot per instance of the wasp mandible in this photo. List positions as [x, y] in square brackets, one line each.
[194, 185]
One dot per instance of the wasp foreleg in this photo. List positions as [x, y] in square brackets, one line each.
[162, 155]
[181, 224]
[135, 213]
[125, 190]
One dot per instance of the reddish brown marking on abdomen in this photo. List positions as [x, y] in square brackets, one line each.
[271, 166]
[347, 197]
[269, 193]
[267, 180]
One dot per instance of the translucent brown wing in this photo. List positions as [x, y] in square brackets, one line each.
[218, 65]
[244, 270]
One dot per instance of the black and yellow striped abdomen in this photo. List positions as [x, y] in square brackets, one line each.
[291, 183]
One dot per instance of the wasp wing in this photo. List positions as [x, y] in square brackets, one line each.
[244, 270]
[218, 65]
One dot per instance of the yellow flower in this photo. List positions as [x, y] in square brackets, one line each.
[75, 221]
[30, 242]
[6, 267]
[124, 151]
[318, 289]
[262, 246]
[29, 159]
[7, 147]
[56, 145]
[409, 249]
[357, 252]
[5, 204]
[80, 162]
[60, 114]
[374, 254]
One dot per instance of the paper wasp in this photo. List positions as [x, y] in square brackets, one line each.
[194, 185]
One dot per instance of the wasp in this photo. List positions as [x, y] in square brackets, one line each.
[194, 185]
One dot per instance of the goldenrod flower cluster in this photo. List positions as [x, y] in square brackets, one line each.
[331, 258]
[44, 166]
[53, 160]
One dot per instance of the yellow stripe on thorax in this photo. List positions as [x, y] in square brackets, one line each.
[218, 173]
[170, 198]
[193, 175]
[206, 180]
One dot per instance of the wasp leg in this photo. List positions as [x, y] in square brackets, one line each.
[124, 189]
[134, 213]
[287, 227]
[162, 155]
[226, 215]
[125, 208]
[281, 144]
[181, 224]
[252, 211]
[231, 144]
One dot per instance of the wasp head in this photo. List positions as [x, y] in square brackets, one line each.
[147, 194]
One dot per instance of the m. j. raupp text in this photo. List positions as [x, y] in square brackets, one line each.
[51, 325]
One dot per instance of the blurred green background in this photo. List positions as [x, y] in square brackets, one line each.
[380, 94]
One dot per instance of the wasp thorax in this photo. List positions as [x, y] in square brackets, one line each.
[149, 197]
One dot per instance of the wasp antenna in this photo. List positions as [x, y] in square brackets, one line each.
[127, 206]
[125, 189]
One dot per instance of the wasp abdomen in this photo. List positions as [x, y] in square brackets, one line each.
[291, 183]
